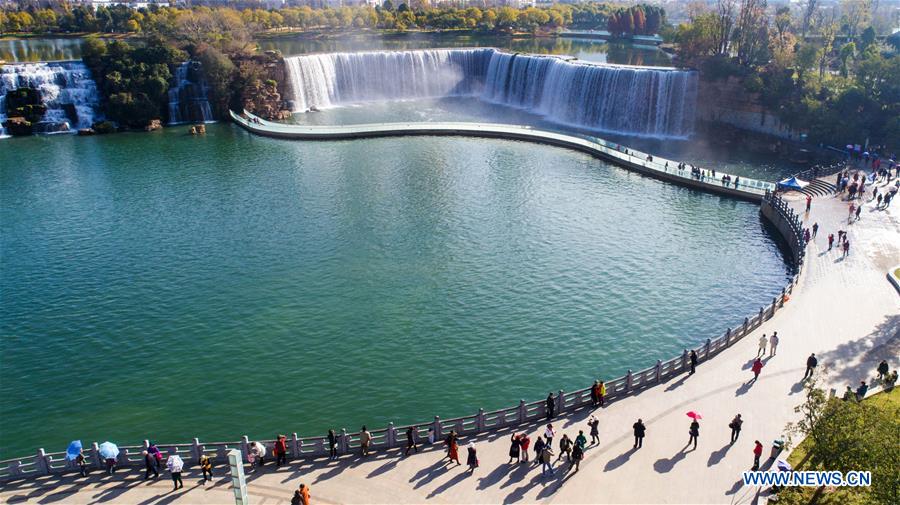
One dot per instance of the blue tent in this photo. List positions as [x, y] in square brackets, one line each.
[792, 183]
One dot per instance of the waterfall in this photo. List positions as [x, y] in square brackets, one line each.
[66, 89]
[188, 96]
[644, 101]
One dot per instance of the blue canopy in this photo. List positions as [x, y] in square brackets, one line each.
[792, 183]
[73, 450]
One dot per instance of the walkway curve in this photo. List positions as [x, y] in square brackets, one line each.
[661, 168]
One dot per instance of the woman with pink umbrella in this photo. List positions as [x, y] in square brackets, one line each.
[694, 430]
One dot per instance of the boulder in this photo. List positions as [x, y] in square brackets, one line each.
[154, 124]
[86, 132]
[18, 126]
[103, 127]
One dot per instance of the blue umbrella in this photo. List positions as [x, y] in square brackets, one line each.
[73, 450]
[108, 450]
[793, 183]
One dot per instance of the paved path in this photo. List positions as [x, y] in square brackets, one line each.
[843, 310]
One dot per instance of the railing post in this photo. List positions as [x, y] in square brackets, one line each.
[560, 401]
[479, 421]
[344, 442]
[746, 323]
[783, 294]
[774, 305]
[708, 342]
[196, 450]
[658, 370]
[684, 360]
[522, 411]
[628, 381]
[295, 445]
[728, 337]
[391, 436]
[95, 455]
[41, 462]
[760, 316]
[245, 446]
[437, 428]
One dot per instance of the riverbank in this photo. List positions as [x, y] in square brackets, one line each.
[816, 319]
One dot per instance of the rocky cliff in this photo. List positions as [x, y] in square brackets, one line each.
[727, 101]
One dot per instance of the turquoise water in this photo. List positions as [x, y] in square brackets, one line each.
[166, 286]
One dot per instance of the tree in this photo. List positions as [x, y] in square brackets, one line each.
[809, 9]
[752, 32]
[725, 12]
[856, 13]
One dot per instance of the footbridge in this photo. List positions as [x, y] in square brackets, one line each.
[623, 156]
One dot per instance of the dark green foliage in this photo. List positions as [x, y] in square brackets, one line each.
[103, 127]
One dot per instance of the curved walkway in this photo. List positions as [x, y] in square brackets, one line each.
[748, 189]
[844, 310]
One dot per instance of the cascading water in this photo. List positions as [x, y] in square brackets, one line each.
[66, 89]
[188, 101]
[634, 100]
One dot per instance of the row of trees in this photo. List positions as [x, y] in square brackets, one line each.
[820, 69]
[65, 17]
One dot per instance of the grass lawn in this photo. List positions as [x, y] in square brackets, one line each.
[886, 401]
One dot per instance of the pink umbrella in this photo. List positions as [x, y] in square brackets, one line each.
[694, 415]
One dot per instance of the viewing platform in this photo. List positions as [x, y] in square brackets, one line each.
[647, 164]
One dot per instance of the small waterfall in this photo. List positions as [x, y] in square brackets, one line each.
[188, 96]
[633, 100]
[66, 89]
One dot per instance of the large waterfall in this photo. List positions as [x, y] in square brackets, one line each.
[633, 100]
[66, 89]
[187, 96]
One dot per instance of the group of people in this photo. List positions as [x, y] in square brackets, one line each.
[887, 378]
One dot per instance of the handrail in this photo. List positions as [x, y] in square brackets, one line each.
[43, 463]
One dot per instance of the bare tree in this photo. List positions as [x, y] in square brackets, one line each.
[752, 32]
[808, 11]
[857, 13]
[725, 11]
[829, 32]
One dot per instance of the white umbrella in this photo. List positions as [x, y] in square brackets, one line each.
[174, 463]
[783, 466]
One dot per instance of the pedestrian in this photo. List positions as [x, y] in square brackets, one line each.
[757, 453]
[525, 442]
[175, 465]
[547, 460]
[858, 210]
[538, 449]
[693, 362]
[514, 446]
[332, 444]
[280, 450]
[206, 468]
[577, 456]
[565, 447]
[882, 369]
[846, 248]
[110, 466]
[735, 426]
[815, 229]
[472, 458]
[694, 432]
[878, 198]
[452, 442]
[830, 240]
[365, 439]
[549, 433]
[852, 211]
[763, 342]
[811, 363]
[304, 495]
[550, 406]
[756, 368]
[297, 499]
[81, 461]
[411, 440]
[849, 394]
[150, 465]
[808, 202]
[861, 391]
[594, 423]
[602, 393]
[639, 431]
[430, 435]
[595, 394]
[773, 344]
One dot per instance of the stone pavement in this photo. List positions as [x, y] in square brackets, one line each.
[844, 310]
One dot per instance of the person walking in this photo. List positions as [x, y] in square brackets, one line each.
[332, 444]
[453, 447]
[297, 499]
[206, 468]
[525, 442]
[763, 342]
[365, 439]
[602, 393]
[577, 456]
[110, 466]
[639, 431]
[565, 448]
[858, 210]
[861, 391]
[595, 394]
[594, 423]
[694, 432]
[547, 460]
[514, 446]
[830, 240]
[550, 406]
[756, 368]
[411, 440]
[735, 426]
[811, 363]
[773, 344]
[693, 358]
[882, 369]
[581, 440]
[280, 450]
[815, 229]
[538, 449]
[81, 461]
[175, 465]
[304, 495]
[808, 202]
[472, 457]
[549, 433]
[757, 453]
[150, 465]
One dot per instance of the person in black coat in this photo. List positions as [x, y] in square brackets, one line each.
[411, 440]
[551, 406]
[693, 362]
[811, 363]
[639, 431]
[694, 432]
[150, 466]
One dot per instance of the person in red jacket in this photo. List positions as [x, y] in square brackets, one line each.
[280, 450]
[757, 453]
[757, 367]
